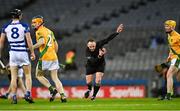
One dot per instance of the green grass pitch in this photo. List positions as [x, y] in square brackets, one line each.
[97, 105]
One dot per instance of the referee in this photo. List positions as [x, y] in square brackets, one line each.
[96, 62]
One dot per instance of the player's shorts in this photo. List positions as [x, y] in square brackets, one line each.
[46, 65]
[20, 72]
[92, 69]
[18, 58]
[175, 62]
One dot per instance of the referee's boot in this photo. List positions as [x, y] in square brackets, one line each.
[87, 93]
[53, 94]
[93, 98]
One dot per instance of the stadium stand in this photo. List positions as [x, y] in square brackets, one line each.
[130, 55]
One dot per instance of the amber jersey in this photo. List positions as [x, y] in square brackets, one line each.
[174, 44]
[47, 50]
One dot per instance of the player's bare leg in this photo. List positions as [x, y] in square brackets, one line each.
[27, 72]
[58, 85]
[172, 70]
[42, 79]
[46, 83]
[178, 76]
[89, 79]
[13, 85]
[28, 82]
[97, 85]
[21, 85]
[5, 96]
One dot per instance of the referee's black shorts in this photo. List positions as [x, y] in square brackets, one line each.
[93, 69]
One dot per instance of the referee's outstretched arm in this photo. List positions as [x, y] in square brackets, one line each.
[112, 36]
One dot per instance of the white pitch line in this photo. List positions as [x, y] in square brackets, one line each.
[86, 106]
[99, 105]
[89, 110]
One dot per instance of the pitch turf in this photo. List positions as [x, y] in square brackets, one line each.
[97, 105]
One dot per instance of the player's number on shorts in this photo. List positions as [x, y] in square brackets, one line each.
[50, 41]
[15, 33]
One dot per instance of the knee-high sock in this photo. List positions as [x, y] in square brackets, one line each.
[51, 88]
[96, 89]
[89, 85]
[164, 89]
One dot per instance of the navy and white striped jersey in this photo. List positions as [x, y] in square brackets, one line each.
[15, 32]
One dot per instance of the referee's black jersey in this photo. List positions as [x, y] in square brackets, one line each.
[92, 57]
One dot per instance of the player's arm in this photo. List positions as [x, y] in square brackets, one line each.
[56, 46]
[169, 57]
[112, 36]
[29, 41]
[55, 43]
[2, 40]
[39, 43]
[30, 44]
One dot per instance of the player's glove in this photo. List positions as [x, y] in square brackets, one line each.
[158, 68]
[62, 66]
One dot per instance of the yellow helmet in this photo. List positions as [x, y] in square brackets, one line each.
[170, 23]
[37, 20]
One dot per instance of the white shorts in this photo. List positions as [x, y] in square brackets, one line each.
[48, 65]
[175, 62]
[20, 72]
[18, 58]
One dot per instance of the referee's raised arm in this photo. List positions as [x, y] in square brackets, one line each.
[111, 36]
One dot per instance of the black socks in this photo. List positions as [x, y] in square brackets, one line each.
[96, 89]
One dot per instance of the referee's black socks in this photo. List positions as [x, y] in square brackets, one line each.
[89, 85]
[96, 89]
